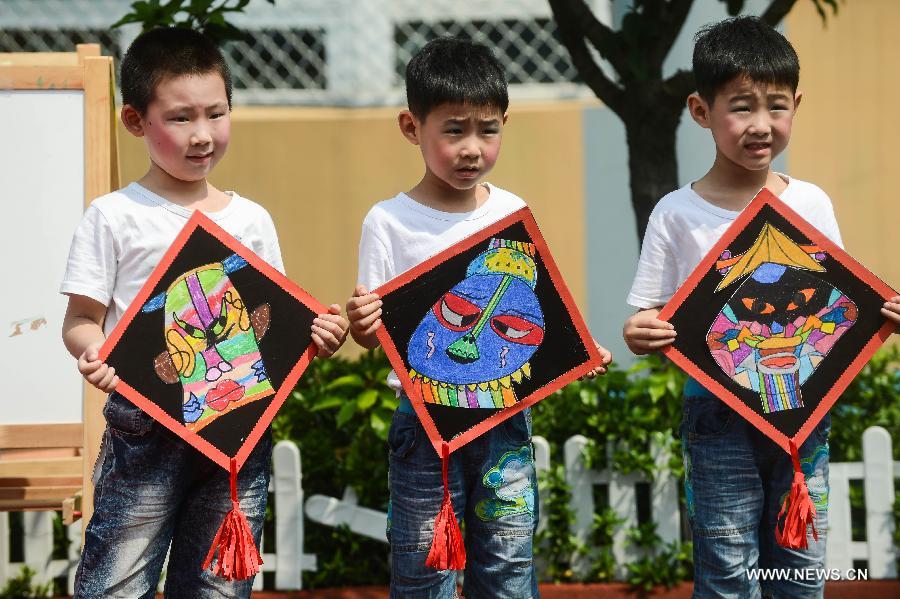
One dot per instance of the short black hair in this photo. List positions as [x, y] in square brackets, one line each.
[456, 71]
[743, 46]
[167, 52]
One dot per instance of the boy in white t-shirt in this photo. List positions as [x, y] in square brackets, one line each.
[457, 99]
[152, 488]
[735, 477]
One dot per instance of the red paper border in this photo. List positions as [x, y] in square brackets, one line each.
[524, 216]
[767, 198]
[201, 221]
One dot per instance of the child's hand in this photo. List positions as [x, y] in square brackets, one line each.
[645, 333]
[891, 311]
[364, 312]
[605, 359]
[329, 331]
[96, 372]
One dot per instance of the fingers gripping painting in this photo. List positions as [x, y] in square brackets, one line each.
[777, 320]
[780, 322]
[483, 330]
[213, 342]
[476, 341]
[212, 346]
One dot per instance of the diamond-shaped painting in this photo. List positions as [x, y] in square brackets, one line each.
[483, 330]
[777, 320]
[214, 342]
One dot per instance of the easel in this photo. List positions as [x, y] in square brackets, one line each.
[49, 466]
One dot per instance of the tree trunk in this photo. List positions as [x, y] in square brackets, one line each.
[652, 162]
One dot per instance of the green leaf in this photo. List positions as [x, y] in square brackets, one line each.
[345, 414]
[366, 399]
[348, 380]
[331, 401]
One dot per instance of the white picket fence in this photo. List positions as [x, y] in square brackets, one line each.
[877, 471]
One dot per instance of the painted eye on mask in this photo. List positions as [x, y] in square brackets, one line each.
[757, 306]
[517, 330]
[456, 313]
[190, 329]
[218, 324]
[801, 298]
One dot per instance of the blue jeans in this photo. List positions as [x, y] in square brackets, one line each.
[154, 489]
[494, 493]
[736, 479]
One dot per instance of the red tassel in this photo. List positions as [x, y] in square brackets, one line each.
[798, 510]
[448, 552]
[239, 558]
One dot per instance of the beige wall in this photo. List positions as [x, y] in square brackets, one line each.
[847, 134]
[318, 170]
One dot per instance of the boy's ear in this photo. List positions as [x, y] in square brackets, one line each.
[699, 110]
[505, 117]
[797, 97]
[409, 126]
[132, 120]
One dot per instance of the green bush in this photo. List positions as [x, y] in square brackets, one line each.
[340, 412]
[22, 586]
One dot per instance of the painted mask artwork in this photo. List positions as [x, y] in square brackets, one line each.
[212, 343]
[483, 330]
[476, 341]
[776, 320]
[780, 322]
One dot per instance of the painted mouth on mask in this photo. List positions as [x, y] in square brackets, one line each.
[223, 394]
[494, 393]
[780, 361]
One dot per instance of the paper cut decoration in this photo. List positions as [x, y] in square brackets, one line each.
[476, 334]
[483, 330]
[776, 321]
[212, 345]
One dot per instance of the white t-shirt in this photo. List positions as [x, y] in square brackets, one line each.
[124, 234]
[400, 233]
[684, 227]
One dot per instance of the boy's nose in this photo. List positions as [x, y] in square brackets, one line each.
[470, 150]
[200, 136]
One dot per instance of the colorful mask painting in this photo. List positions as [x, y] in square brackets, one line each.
[476, 340]
[483, 330]
[211, 343]
[781, 321]
[214, 342]
[777, 320]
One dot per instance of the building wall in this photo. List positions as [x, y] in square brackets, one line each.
[319, 170]
[846, 133]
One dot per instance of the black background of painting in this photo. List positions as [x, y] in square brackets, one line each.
[282, 346]
[560, 351]
[694, 317]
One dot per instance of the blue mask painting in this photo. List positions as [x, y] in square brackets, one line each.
[477, 340]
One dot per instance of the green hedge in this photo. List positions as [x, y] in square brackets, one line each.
[340, 413]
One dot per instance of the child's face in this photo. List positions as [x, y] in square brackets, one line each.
[460, 143]
[187, 125]
[751, 122]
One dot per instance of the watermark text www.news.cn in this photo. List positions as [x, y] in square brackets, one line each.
[807, 574]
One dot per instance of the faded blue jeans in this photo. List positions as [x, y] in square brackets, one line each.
[494, 492]
[154, 489]
[735, 481]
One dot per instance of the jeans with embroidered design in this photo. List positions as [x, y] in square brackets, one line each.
[494, 493]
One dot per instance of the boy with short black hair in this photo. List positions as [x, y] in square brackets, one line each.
[152, 488]
[735, 478]
[457, 98]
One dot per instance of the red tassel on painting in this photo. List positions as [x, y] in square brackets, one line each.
[798, 510]
[447, 549]
[239, 558]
